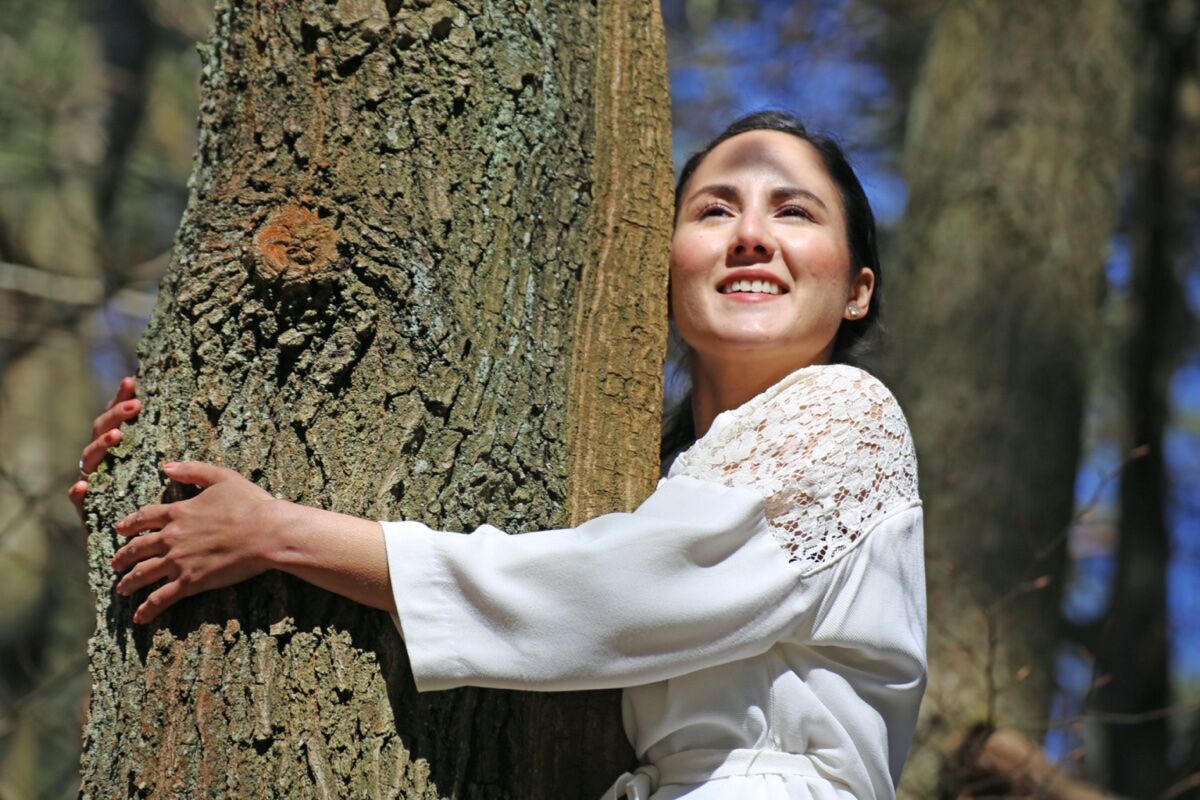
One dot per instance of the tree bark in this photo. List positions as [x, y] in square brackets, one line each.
[1012, 155]
[421, 275]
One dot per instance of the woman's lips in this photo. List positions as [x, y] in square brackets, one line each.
[750, 297]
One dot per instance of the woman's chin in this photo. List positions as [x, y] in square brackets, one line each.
[754, 347]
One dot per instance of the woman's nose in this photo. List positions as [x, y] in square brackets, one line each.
[752, 240]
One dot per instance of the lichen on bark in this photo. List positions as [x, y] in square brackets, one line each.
[374, 306]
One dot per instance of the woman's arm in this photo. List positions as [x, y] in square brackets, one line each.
[693, 578]
[337, 552]
[234, 530]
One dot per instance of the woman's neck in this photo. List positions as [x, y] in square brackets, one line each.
[719, 385]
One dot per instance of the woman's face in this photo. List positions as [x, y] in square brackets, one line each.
[760, 265]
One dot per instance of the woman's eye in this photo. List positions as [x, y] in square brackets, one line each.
[795, 211]
[713, 211]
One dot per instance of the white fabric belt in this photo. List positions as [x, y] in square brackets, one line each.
[697, 766]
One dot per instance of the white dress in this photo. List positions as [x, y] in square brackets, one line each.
[764, 609]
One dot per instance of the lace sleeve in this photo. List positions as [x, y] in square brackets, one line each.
[830, 450]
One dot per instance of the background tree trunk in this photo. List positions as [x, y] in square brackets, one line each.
[43, 596]
[1012, 155]
[1133, 657]
[401, 290]
[54, 236]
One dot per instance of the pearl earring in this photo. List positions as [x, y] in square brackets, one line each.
[853, 310]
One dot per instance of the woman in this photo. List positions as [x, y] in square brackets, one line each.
[763, 610]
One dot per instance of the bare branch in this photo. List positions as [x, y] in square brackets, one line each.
[76, 291]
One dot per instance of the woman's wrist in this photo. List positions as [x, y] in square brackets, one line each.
[282, 547]
[337, 552]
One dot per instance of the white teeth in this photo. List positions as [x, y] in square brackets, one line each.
[757, 286]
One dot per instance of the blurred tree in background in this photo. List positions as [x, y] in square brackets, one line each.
[97, 120]
[1131, 640]
[97, 110]
[1012, 155]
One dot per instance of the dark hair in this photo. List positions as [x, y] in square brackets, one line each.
[853, 336]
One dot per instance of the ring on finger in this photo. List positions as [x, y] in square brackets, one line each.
[83, 474]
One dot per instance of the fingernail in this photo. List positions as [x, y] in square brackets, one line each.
[171, 465]
[130, 406]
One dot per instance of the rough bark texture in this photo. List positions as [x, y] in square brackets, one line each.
[421, 275]
[1012, 156]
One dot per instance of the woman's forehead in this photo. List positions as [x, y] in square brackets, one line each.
[791, 159]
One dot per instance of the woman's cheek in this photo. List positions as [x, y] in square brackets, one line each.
[817, 255]
[685, 284]
[688, 320]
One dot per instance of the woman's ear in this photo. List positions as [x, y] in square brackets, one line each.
[858, 301]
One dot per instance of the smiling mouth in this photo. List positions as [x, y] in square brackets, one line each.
[752, 287]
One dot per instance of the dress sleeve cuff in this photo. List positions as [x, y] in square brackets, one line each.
[418, 576]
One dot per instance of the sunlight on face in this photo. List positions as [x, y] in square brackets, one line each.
[760, 265]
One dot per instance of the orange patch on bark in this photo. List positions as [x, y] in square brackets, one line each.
[295, 243]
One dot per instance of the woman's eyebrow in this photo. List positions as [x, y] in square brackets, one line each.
[788, 192]
[721, 190]
[730, 193]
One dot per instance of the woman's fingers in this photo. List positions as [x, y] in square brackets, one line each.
[197, 473]
[75, 493]
[152, 570]
[147, 518]
[115, 416]
[126, 390]
[106, 433]
[159, 600]
[93, 454]
[141, 548]
[106, 427]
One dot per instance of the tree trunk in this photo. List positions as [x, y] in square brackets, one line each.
[1133, 656]
[1012, 156]
[421, 275]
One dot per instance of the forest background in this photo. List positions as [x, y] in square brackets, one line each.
[97, 131]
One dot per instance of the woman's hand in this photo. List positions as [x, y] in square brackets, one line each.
[221, 536]
[106, 433]
[234, 530]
